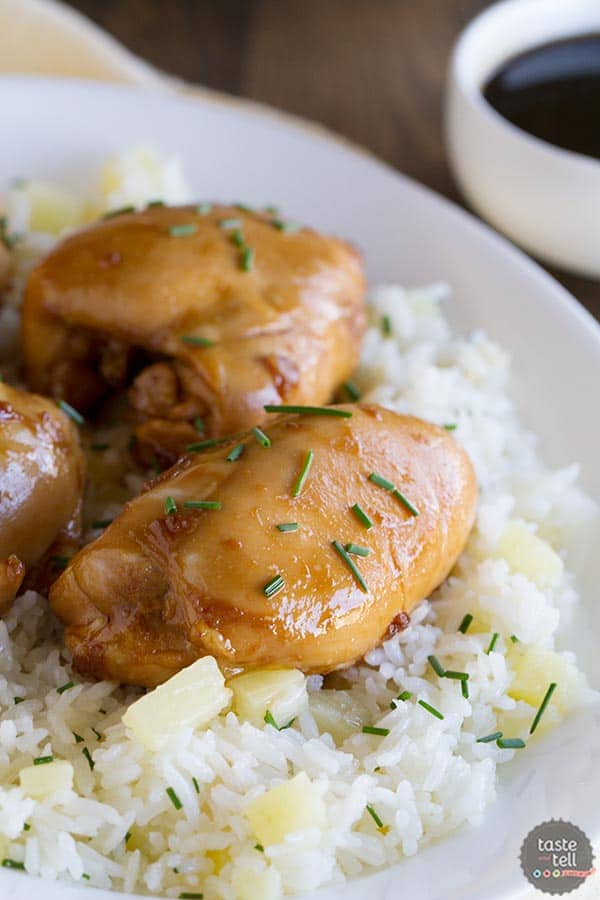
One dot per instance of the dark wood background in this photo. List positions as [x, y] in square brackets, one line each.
[373, 70]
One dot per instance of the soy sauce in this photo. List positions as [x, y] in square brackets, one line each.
[553, 92]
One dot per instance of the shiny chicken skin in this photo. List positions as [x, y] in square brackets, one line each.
[41, 483]
[159, 589]
[169, 300]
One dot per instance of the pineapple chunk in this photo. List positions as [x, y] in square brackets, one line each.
[338, 713]
[219, 858]
[190, 699]
[256, 884]
[528, 554]
[41, 781]
[280, 691]
[291, 806]
[52, 209]
[535, 669]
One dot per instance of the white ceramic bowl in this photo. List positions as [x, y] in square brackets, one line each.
[544, 198]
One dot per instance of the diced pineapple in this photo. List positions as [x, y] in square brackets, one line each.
[219, 858]
[46, 779]
[338, 713]
[257, 884]
[190, 699]
[291, 806]
[280, 691]
[527, 553]
[535, 669]
[52, 209]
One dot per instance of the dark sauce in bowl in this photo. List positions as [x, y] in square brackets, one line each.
[553, 92]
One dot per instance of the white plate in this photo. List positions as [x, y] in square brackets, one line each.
[244, 153]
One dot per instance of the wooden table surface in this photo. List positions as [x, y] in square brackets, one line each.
[373, 70]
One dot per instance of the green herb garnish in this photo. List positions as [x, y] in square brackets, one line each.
[273, 586]
[199, 424]
[386, 325]
[514, 639]
[202, 504]
[361, 516]
[203, 209]
[301, 480]
[543, 705]
[78, 738]
[464, 688]
[230, 223]
[450, 426]
[247, 259]
[174, 798]
[269, 720]
[459, 676]
[287, 526]
[285, 226]
[259, 847]
[382, 482]
[357, 550]
[436, 665]
[431, 709]
[310, 411]
[198, 446]
[374, 816]
[350, 563]
[196, 341]
[97, 734]
[510, 743]
[86, 876]
[465, 624]
[154, 203]
[352, 390]
[196, 785]
[235, 453]
[170, 506]
[488, 738]
[26, 827]
[65, 687]
[71, 412]
[263, 439]
[237, 238]
[372, 729]
[183, 230]
[13, 864]
[121, 211]
[492, 643]
[17, 700]
[190, 895]
[88, 756]
[43, 760]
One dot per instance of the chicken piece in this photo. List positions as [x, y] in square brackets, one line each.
[5, 264]
[161, 588]
[41, 482]
[169, 300]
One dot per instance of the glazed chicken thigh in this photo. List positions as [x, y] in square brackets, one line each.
[207, 312]
[198, 564]
[41, 483]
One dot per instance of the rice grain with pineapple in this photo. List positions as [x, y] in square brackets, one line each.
[193, 791]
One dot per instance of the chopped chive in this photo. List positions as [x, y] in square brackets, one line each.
[121, 211]
[65, 687]
[510, 743]
[263, 439]
[350, 563]
[361, 516]
[492, 643]
[71, 412]
[274, 586]
[102, 523]
[466, 622]
[464, 688]
[198, 446]
[183, 230]
[459, 676]
[199, 424]
[26, 827]
[431, 709]
[259, 847]
[203, 209]
[273, 210]
[352, 390]
[237, 238]
[170, 506]
[78, 738]
[287, 526]
[154, 203]
[190, 895]
[436, 665]
[18, 700]
[386, 325]
[405, 502]
[196, 340]
[196, 785]
[450, 426]
[99, 446]
[86, 876]
[235, 453]
[374, 816]
[269, 720]
[127, 836]
[174, 798]
[514, 639]
[97, 734]
[59, 562]
[405, 695]
[243, 207]
[543, 705]
[202, 504]
[488, 738]
[286, 226]
[357, 550]
[43, 760]
[247, 259]
[88, 756]
[13, 864]
[301, 480]
[372, 729]
[310, 411]
[230, 223]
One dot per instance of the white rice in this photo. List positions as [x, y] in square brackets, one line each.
[426, 778]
